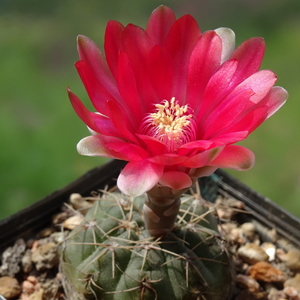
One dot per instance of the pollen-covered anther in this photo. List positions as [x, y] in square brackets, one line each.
[172, 124]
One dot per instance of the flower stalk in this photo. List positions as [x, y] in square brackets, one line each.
[161, 210]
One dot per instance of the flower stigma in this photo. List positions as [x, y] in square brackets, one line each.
[171, 124]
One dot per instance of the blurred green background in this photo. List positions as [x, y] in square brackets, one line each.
[39, 129]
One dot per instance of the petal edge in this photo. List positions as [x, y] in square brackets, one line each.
[139, 177]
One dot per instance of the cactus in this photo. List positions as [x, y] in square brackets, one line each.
[112, 256]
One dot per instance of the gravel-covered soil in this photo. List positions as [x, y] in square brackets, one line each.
[264, 270]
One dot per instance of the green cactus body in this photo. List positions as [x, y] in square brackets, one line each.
[111, 256]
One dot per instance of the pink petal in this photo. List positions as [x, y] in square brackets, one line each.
[92, 56]
[228, 42]
[82, 112]
[160, 23]
[96, 122]
[168, 159]
[112, 45]
[179, 45]
[249, 55]
[137, 45]
[216, 90]
[205, 60]
[139, 177]
[229, 138]
[195, 145]
[176, 180]
[260, 83]
[132, 152]
[105, 126]
[275, 99]
[128, 88]
[225, 113]
[96, 91]
[95, 146]
[202, 172]
[243, 97]
[153, 146]
[246, 123]
[120, 120]
[234, 157]
[160, 72]
[256, 115]
[201, 159]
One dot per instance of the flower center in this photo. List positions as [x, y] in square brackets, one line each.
[171, 124]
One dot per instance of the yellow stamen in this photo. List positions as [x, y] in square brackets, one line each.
[171, 124]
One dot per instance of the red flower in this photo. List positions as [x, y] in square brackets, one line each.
[172, 100]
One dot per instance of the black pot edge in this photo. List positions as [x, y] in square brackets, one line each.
[262, 209]
[38, 215]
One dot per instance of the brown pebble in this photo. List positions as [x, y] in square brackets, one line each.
[35, 245]
[9, 287]
[272, 234]
[252, 253]
[270, 249]
[225, 213]
[291, 292]
[291, 258]
[45, 256]
[73, 222]
[27, 287]
[59, 218]
[11, 258]
[226, 227]
[294, 282]
[234, 203]
[58, 237]
[38, 295]
[80, 203]
[237, 236]
[249, 230]
[263, 271]
[274, 294]
[32, 279]
[59, 276]
[247, 282]
[27, 262]
[24, 297]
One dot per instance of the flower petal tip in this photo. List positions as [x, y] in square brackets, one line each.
[139, 177]
[81, 38]
[228, 42]
[92, 146]
[235, 157]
